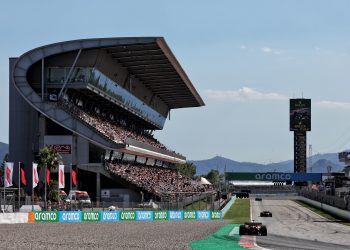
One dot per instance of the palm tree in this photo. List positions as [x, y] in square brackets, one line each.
[49, 157]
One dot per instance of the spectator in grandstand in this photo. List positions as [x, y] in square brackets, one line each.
[116, 130]
[155, 180]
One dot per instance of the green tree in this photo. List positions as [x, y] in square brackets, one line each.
[48, 157]
[213, 176]
[187, 169]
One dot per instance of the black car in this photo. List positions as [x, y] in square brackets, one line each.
[242, 195]
[258, 198]
[265, 214]
[253, 228]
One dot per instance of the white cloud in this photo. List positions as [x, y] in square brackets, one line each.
[271, 51]
[266, 50]
[243, 47]
[332, 105]
[243, 94]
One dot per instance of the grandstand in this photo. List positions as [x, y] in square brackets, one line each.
[98, 102]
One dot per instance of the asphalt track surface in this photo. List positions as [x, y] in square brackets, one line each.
[96, 235]
[295, 227]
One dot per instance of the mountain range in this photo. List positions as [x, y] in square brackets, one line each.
[321, 163]
[4, 149]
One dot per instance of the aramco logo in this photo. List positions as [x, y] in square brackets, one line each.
[273, 177]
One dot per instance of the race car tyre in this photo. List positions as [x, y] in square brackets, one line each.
[263, 231]
[242, 230]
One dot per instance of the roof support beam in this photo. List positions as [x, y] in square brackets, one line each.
[69, 73]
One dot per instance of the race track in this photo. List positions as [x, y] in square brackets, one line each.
[295, 227]
[95, 235]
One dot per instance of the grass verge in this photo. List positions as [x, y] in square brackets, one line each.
[198, 205]
[324, 214]
[239, 212]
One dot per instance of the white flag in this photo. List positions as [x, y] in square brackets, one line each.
[8, 174]
[61, 176]
[35, 175]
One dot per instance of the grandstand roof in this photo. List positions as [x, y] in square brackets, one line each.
[149, 59]
[153, 63]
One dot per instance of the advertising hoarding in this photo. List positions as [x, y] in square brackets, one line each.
[273, 176]
[46, 216]
[110, 216]
[62, 144]
[70, 216]
[128, 215]
[161, 215]
[90, 216]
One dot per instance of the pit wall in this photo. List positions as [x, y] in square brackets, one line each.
[108, 216]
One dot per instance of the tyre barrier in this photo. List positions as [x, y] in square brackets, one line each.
[123, 215]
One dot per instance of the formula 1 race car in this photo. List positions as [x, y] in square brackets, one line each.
[265, 214]
[258, 199]
[253, 228]
[242, 195]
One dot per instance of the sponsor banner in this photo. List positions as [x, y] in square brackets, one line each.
[160, 215]
[215, 215]
[62, 148]
[273, 176]
[203, 215]
[46, 216]
[190, 215]
[144, 215]
[70, 216]
[90, 216]
[127, 215]
[176, 215]
[110, 216]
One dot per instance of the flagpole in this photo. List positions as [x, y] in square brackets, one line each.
[70, 188]
[45, 184]
[32, 186]
[19, 185]
[4, 187]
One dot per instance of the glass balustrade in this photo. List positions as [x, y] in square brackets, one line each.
[96, 78]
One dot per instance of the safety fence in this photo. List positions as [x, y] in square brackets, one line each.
[124, 215]
[342, 203]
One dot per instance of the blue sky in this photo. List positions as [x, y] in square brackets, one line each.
[246, 59]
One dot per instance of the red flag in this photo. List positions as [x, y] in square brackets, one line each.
[74, 177]
[48, 176]
[23, 177]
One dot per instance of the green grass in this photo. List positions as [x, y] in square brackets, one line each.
[239, 212]
[324, 214]
[198, 205]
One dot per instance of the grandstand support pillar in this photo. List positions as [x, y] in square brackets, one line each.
[98, 188]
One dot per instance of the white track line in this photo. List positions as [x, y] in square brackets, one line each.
[254, 237]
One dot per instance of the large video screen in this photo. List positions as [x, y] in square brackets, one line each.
[300, 114]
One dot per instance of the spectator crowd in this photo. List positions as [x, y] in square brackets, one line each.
[114, 128]
[155, 180]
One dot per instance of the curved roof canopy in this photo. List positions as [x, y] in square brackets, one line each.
[149, 59]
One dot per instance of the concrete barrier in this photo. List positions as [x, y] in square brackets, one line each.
[332, 210]
[13, 218]
[228, 205]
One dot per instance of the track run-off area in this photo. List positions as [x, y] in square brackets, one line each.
[292, 226]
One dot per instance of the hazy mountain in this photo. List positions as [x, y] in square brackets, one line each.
[4, 149]
[320, 164]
